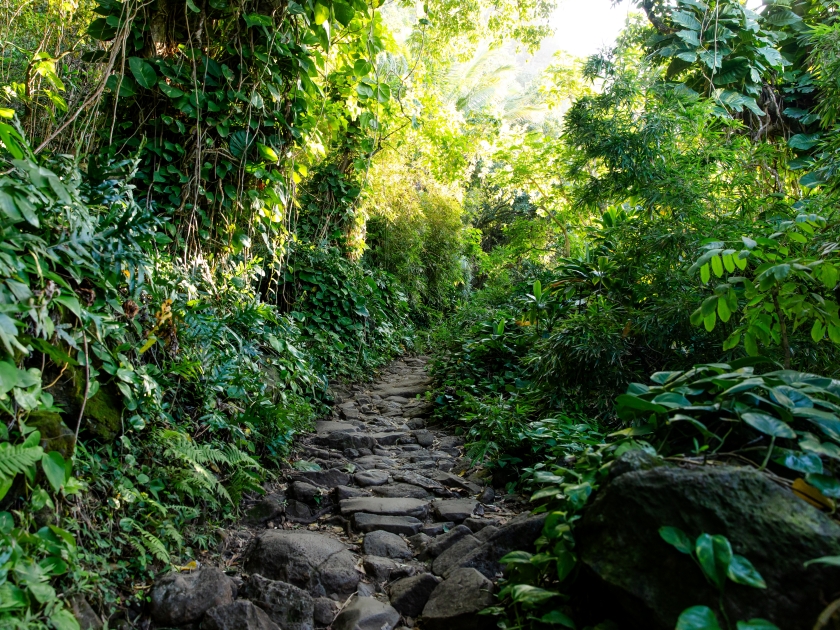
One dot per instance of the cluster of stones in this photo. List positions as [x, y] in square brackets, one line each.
[393, 529]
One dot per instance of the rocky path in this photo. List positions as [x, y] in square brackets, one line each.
[382, 524]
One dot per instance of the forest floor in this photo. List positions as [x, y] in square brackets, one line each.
[380, 522]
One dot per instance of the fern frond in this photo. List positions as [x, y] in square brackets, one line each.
[155, 546]
[174, 534]
[141, 550]
[17, 459]
[237, 457]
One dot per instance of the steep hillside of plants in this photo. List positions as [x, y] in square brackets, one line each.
[195, 245]
[212, 210]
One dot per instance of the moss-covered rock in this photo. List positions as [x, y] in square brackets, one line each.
[634, 577]
[55, 435]
[103, 412]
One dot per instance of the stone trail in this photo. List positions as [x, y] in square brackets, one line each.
[394, 529]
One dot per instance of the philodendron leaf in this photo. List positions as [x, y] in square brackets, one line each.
[528, 595]
[678, 538]
[698, 618]
[556, 618]
[143, 72]
[634, 402]
[768, 425]
[714, 554]
[742, 571]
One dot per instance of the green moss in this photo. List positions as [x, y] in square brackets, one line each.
[55, 435]
[103, 412]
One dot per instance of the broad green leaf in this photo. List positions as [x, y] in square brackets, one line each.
[529, 595]
[803, 141]
[143, 72]
[709, 321]
[361, 68]
[750, 344]
[768, 425]
[54, 469]
[678, 538]
[705, 274]
[343, 12]
[268, 153]
[698, 618]
[732, 341]
[817, 331]
[556, 618]
[517, 557]
[756, 624]
[8, 376]
[742, 571]
[723, 310]
[717, 266]
[322, 13]
[709, 305]
[63, 619]
[634, 402]
[71, 302]
[729, 262]
[714, 553]
[169, 90]
[697, 317]
[803, 462]
[255, 19]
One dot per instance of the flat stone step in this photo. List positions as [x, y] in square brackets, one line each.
[330, 426]
[408, 392]
[456, 510]
[406, 525]
[385, 506]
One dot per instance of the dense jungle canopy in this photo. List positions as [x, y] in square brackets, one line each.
[213, 211]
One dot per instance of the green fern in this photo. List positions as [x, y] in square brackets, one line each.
[199, 456]
[149, 541]
[17, 459]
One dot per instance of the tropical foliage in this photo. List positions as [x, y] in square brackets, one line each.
[212, 210]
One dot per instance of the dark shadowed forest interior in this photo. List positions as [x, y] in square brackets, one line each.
[386, 314]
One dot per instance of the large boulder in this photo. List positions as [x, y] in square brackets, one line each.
[240, 615]
[366, 613]
[308, 560]
[288, 606]
[182, 598]
[456, 602]
[482, 551]
[648, 583]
